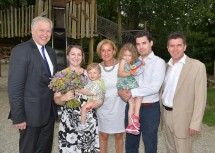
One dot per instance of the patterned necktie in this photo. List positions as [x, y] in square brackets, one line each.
[44, 57]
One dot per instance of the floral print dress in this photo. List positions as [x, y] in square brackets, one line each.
[126, 82]
[71, 140]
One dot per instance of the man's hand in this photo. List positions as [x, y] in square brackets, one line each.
[193, 132]
[125, 94]
[21, 126]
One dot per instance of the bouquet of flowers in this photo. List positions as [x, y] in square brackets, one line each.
[67, 80]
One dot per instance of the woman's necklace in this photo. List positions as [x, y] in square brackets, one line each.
[103, 66]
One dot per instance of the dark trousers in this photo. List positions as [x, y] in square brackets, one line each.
[37, 139]
[149, 120]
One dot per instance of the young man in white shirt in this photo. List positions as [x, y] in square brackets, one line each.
[150, 82]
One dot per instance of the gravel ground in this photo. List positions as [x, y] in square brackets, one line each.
[203, 143]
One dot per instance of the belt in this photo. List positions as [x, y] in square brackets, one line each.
[167, 108]
[148, 104]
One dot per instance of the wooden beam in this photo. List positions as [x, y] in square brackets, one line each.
[5, 24]
[119, 22]
[91, 51]
[82, 24]
[26, 21]
[12, 21]
[68, 19]
[19, 22]
[2, 25]
[87, 21]
[79, 22]
[22, 23]
[92, 16]
[8, 21]
[74, 32]
[49, 10]
[15, 22]
[36, 8]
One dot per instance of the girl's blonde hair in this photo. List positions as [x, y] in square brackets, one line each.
[106, 41]
[131, 48]
[94, 66]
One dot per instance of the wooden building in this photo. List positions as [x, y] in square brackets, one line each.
[72, 19]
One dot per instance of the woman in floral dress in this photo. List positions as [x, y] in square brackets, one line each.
[71, 140]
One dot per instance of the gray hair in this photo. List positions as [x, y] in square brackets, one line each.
[42, 19]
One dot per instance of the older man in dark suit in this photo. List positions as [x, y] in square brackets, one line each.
[33, 111]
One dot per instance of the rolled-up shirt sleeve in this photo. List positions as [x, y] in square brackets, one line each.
[151, 80]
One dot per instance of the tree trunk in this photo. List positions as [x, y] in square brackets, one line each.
[119, 22]
[134, 20]
[214, 70]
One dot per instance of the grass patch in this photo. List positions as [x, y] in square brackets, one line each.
[210, 108]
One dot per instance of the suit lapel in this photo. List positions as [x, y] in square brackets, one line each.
[38, 56]
[184, 71]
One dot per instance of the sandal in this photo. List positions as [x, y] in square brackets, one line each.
[135, 124]
[132, 130]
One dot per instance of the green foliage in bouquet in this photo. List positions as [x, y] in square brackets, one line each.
[67, 80]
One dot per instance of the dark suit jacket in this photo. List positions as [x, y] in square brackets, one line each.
[30, 98]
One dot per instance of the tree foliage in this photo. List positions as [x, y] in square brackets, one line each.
[194, 18]
[107, 9]
[16, 2]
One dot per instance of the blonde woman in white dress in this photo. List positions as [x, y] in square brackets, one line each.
[112, 113]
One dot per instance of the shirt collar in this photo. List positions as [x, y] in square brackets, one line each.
[182, 60]
[38, 46]
[150, 56]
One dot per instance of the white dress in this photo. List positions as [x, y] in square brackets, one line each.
[111, 114]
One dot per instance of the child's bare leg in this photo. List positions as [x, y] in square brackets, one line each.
[137, 105]
[130, 128]
[84, 110]
[130, 110]
[135, 116]
[97, 103]
[83, 114]
[89, 105]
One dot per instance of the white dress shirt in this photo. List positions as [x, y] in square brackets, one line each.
[171, 81]
[47, 57]
[151, 79]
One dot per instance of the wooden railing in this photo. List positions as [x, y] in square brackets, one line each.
[16, 22]
[81, 20]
